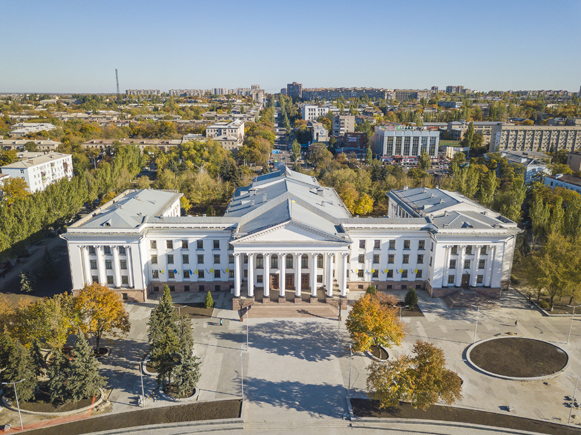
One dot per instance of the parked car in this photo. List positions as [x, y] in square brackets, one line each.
[5, 265]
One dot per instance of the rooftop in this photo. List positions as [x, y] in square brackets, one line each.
[38, 160]
[570, 179]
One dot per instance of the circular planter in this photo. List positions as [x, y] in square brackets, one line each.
[103, 352]
[56, 414]
[144, 367]
[195, 395]
[528, 353]
[374, 358]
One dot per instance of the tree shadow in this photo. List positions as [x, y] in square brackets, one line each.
[319, 401]
[305, 340]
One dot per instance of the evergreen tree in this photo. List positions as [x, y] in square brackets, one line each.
[411, 298]
[26, 281]
[37, 358]
[47, 267]
[58, 377]
[163, 336]
[84, 378]
[209, 302]
[18, 365]
[185, 333]
[186, 372]
[163, 317]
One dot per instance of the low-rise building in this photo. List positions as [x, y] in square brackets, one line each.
[530, 163]
[26, 128]
[312, 113]
[574, 161]
[570, 182]
[319, 134]
[402, 141]
[163, 144]
[450, 104]
[457, 129]
[506, 137]
[355, 140]
[229, 134]
[18, 144]
[41, 170]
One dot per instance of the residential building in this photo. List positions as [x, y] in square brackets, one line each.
[505, 137]
[25, 128]
[450, 104]
[343, 124]
[334, 93]
[570, 182]
[574, 161]
[143, 92]
[312, 113]
[294, 90]
[457, 129]
[454, 89]
[355, 140]
[284, 237]
[229, 134]
[530, 163]
[410, 94]
[42, 170]
[319, 134]
[164, 144]
[399, 140]
[18, 144]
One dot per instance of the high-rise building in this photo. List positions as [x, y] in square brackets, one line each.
[401, 141]
[454, 89]
[544, 138]
[294, 90]
[343, 124]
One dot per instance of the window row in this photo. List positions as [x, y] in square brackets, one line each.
[124, 279]
[187, 274]
[109, 264]
[406, 244]
[375, 274]
[391, 259]
[186, 259]
[107, 250]
[467, 264]
[470, 250]
[185, 244]
[452, 279]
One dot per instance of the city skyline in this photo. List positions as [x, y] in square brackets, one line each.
[194, 45]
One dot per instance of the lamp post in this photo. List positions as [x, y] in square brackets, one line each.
[242, 371]
[477, 317]
[571, 326]
[141, 374]
[180, 308]
[16, 395]
[350, 359]
[573, 401]
[401, 308]
[247, 327]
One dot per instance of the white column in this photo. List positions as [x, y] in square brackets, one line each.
[446, 267]
[493, 267]
[330, 275]
[298, 276]
[488, 266]
[281, 280]
[460, 266]
[237, 275]
[130, 266]
[314, 275]
[266, 277]
[101, 265]
[250, 275]
[116, 267]
[475, 267]
[324, 271]
[344, 274]
[87, 265]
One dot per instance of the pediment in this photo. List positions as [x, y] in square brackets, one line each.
[290, 232]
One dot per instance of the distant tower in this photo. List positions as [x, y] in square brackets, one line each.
[117, 78]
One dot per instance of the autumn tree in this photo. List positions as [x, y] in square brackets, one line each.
[296, 150]
[425, 162]
[374, 321]
[101, 312]
[422, 379]
[14, 189]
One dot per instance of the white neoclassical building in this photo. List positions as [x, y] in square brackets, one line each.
[286, 238]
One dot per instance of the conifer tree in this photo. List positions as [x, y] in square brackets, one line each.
[84, 378]
[209, 302]
[163, 337]
[58, 377]
[186, 372]
[26, 281]
[37, 358]
[18, 365]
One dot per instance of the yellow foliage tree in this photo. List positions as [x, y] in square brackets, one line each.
[101, 312]
[15, 188]
[364, 204]
[349, 195]
[374, 321]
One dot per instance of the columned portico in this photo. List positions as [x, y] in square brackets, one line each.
[460, 265]
[116, 267]
[87, 265]
[474, 273]
[237, 276]
[344, 274]
[101, 265]
[446, 266]
[130, 278]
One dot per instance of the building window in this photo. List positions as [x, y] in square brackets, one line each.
[186, 288]
[91, 250]
[320, 261]
[217, 288]
[375, 258]
[392, 244]
[375, 274]
[406, 244]
[360, 273]
[432, 247]
[185, 258]
[362, 244]
[404, 274]
[217, 273]
[377, 244]
[454, 250]
[481, 264]
[107, 250]
[245, 259]
[289, 261]
[95, 279]
[422, 244]
[124, 280]
[452, 264]
[390, 273]
[171, 274]
[200, 244]
[122, 250]
[184, 244]
[259, 279]
[361, 258]
[479, 279]
[216, 244]
[172, 288]
[274, 261]
[109, 279]
[319, 279]
[430, 261]
[419, 274]
[201, 288]
[231, 274]
[170, 259]
[304, 261]
[200, 259]
[156, 289]
[390, 258]
[93, 264]
[155, 274]
[186, 274]
[154, 259]
[483, 250]
[466, 264]
[169, 244]
[217, 259]
[406, 259]
[230, 259]
[420, 259]
[153, 244]
[123, 264]
[451, 279]
[108, 264]
[468, 250]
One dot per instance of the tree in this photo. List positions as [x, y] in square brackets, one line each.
[539, 213]
[37, 358]
[26, 281]
[421, 379]
[368, 156]
[209, 302]
[31, 146]
[17, 364]
[163, 335]
[101, 312]
[186, 372]
[468, 136]
[364, 204]
[15, 189]
[425, 162]
[8, 157]
[488, 189]
[58, 377]
[84, 379]
[142, 182]
[373, 321]
[411, 298]
[296, 150]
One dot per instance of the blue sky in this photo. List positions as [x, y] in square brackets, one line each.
[75, 46]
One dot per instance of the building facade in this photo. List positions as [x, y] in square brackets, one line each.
[40, 171]
[397, 140]
[570, 182]
[506, 137]
[229, 134]
[286, 238]
[312, 113]
[343, 124]
[294, 90]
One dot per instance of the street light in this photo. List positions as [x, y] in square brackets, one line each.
[571, 326]
[180, 308]
[573, 401]
[141, 374]
[477, 317]
[242, 371]
[350, 359]
[18, 404]
[401, 308]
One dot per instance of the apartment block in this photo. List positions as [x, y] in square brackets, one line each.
[294, 90]
[506, 137]
[143, 92]
[312, 113]
[42, 170]
[343, 124]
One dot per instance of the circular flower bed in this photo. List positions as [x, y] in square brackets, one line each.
[172, 392]
[378, 353]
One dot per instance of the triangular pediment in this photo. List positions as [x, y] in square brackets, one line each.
[290, 232]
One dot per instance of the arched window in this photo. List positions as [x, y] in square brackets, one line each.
[289, 261]
[274, 261]
[304, 261]
[259, 261]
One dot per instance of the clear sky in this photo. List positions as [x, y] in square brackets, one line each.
[75, 46]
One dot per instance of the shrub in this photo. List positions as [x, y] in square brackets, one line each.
[544, 305]
[209, 303]
[411, 298]
[371, 290]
